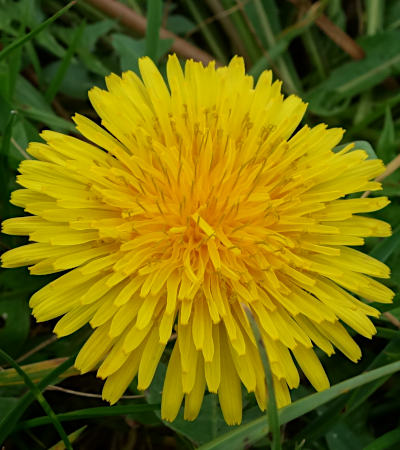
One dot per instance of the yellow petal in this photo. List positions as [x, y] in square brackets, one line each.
[172, 395]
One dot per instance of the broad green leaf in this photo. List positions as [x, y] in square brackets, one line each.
[47, 40]
[130, 50]
[4, 153]
[18, 143]
[342, 437]
[64, 64]
[50, 119]
[15, 323]
[382, 60]
[4, 93]
[26, 95]
[179, 24]
[92, 63]
[358, 145]
[76, 82]
[208, 425]
[94, 31]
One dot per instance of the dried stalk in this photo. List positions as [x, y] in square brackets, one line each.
[138, 23]
[336, 34]
[390, 168]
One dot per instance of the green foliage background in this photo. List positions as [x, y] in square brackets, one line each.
[47, 65]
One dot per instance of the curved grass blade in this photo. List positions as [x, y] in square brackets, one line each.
[8, 422]
[39, 397]
[21, 41]
[90, 413]
[256, 429]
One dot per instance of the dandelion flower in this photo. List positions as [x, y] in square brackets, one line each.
[194, 202]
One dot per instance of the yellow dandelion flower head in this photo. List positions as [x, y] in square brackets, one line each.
[194, 202]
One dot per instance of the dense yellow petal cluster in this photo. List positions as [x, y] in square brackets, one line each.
[198, 203]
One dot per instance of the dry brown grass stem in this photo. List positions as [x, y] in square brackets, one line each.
[138, 23]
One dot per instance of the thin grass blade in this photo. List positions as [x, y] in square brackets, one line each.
[39, 397]
[90, 413]
[21, 41]
[8, 422]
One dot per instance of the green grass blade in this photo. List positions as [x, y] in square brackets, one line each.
[254, 430]
[90, 413]
[30, 49]
[72, 437]
[39, 397]
[285, 67]
[8, 422]
[349, 402]
[21, 41]
[388, 440]
[272, 410]
[375, 13]
[390, 353]
[59, 76]
[311, 44]
[387, 333]
[243, 30]
[154, 16]
[208, 34]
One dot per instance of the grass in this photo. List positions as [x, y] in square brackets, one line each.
[50, 56]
